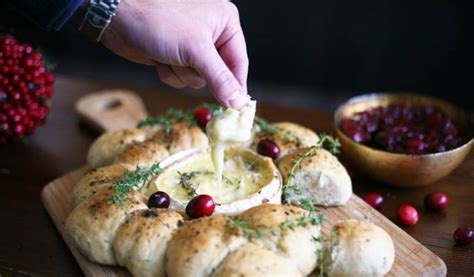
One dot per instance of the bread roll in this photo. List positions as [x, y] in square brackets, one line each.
[199, 246]
[295, 243]
[289, 137]
[359, 248]
[255, 261]
[182, 137]
[93, 223]
[143, 154]
[96, 179]
[110, 144]
[142, 240]
[320, 177]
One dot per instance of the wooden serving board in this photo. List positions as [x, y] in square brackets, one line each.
[411, 257]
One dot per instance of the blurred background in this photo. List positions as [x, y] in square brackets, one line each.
[311, 53]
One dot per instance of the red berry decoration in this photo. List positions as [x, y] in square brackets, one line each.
[202, 116]
[268, 148]
[374, 199]
[25, 88]
[159, 199]
[199, 206]
[464, 235]
[436, 201]
[407, 215]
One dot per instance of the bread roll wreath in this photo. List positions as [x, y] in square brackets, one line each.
[141, 205]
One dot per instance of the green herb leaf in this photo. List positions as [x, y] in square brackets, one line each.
[153, 121]
[173, 115]
[133, 180]
[185, 182]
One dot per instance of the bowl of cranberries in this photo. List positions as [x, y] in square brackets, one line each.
[402, 139]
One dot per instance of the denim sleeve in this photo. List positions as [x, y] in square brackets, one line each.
[50, 15]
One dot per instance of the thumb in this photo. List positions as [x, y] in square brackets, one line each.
[220, 79]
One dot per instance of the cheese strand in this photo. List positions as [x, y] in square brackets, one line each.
[226, 129]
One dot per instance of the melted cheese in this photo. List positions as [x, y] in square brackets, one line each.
[230, 127]
[243, 174]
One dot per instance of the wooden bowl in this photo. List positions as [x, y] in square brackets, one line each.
[402, 170]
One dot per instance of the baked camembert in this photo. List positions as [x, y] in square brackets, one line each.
[246, 175]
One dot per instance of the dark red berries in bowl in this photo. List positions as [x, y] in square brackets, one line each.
[404, 140]
[26, 86]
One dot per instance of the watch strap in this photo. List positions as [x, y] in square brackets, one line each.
[98, 17]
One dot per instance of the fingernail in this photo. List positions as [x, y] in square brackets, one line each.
[238, 100]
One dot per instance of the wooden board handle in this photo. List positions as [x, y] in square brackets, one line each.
[111, 109]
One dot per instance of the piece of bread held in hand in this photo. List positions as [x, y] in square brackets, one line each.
[142, 240]
[319, 177]
[287, 135]
[357, 248]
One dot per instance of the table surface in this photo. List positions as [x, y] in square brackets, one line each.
[30, 244]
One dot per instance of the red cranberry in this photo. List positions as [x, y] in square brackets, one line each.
[202, 116]
[415, 145]
[464, 235]
[268, 148]
[199, 206]
[407, 215]
[159, 199]
[436, 201]
[374, 199]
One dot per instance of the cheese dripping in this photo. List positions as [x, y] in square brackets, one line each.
[226, 128]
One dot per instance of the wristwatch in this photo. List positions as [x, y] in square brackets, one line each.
[98, 16]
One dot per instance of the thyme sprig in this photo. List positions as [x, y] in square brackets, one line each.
[173, 115]
[265, 126]
[242, 226]
[322, 254]
[154, 121]
[132, 180]
[185, 182]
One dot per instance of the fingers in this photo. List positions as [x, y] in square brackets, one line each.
[234, 54]
[179, 76]
[189, 76]
[220, 79]
[168, 76]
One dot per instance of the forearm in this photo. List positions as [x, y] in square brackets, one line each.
[50, 15]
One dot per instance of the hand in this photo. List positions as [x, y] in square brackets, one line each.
[191, 43]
